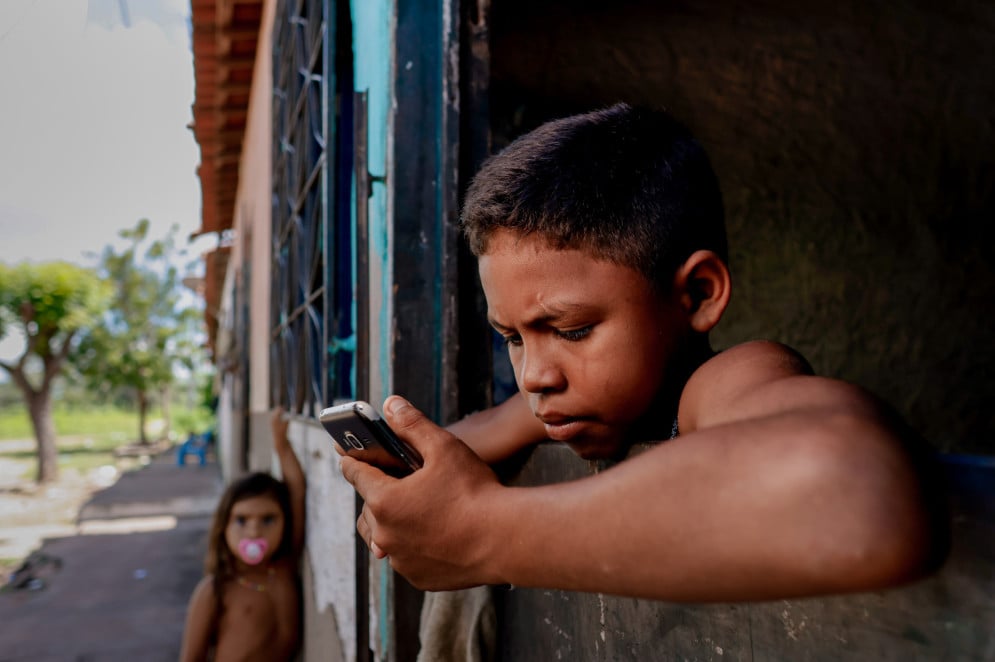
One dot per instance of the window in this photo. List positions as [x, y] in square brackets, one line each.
[298, 357]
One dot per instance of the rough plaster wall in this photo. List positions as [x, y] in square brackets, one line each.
[947, 616]
[330, 585]
[855, 144]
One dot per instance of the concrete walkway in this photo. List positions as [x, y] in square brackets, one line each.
[117, 587]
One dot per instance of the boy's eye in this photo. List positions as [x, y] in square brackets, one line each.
[574, 335]
[269, 519]
[240, 520]
[514, 340]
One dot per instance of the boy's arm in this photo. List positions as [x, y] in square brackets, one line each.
[197, 631]
[499, 432]
[799, 487]
[293, 475]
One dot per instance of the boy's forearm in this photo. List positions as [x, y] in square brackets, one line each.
[809, 494]
[706, 518]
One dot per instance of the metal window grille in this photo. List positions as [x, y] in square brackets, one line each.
[298, 360]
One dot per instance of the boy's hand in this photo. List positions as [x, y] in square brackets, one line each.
[432, 523]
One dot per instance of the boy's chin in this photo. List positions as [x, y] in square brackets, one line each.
[598, 449]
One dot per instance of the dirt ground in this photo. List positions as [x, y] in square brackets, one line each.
[29, 512]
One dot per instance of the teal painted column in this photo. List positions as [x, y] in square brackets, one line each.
[372, 56]
[372, 43]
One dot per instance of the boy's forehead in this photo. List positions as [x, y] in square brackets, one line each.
[514, 257]
[507, 249]
[528, 276]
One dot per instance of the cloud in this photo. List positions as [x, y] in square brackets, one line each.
[93, 126]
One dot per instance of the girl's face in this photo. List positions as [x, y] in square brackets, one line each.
[255, 529]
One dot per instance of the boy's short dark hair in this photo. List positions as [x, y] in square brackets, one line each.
[630, 185]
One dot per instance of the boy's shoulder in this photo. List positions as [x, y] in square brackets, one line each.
[733, 373]
[755, 359]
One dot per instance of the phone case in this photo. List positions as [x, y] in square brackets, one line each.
[361, 433]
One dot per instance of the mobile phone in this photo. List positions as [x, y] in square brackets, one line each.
[361, 433]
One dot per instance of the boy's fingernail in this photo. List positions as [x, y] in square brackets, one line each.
[394, 404]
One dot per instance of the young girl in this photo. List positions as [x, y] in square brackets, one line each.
[247, 607]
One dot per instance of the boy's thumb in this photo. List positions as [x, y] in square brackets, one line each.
[412, 425]
[401, 412]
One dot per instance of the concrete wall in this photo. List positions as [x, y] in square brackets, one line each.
[949, 616]
[328, 576]
[854, 142]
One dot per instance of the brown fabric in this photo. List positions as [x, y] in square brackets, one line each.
[458, 626]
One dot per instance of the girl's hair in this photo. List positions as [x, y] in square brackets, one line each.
[220, 562]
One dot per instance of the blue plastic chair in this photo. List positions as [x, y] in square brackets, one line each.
[196, 444]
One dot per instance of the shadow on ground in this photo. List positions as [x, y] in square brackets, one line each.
[117, 588]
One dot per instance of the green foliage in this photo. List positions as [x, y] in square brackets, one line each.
[147, 332]
[192, 421]
[48, 302]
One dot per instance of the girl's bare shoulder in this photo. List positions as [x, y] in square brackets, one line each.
[205, 586]
[202, 598]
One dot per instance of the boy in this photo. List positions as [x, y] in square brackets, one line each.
[602, 256]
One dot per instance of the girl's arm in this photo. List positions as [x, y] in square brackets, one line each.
[197, 632]
[293, 476]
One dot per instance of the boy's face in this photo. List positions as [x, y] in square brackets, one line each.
[589, 340]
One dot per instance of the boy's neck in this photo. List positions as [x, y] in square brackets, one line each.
[657, 423]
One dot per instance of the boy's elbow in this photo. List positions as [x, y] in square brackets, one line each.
[899, 534]
[910, 547]
[921, 541]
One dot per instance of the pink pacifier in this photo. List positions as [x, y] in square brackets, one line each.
[252, 550]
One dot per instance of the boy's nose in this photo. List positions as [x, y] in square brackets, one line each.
[537, 373]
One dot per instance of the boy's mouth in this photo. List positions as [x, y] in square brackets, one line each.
[584, 435]
[561, 428]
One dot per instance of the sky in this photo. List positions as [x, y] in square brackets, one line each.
[96, 99]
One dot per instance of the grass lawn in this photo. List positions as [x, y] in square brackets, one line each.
[103, 422]
[87, 437]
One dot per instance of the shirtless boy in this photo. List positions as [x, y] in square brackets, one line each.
[602, 255]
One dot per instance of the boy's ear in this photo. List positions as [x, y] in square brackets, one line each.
[703, 286]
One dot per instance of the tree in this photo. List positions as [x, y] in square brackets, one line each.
[49, 303]
[144, 335]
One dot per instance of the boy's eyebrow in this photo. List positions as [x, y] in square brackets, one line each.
[551, 312]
